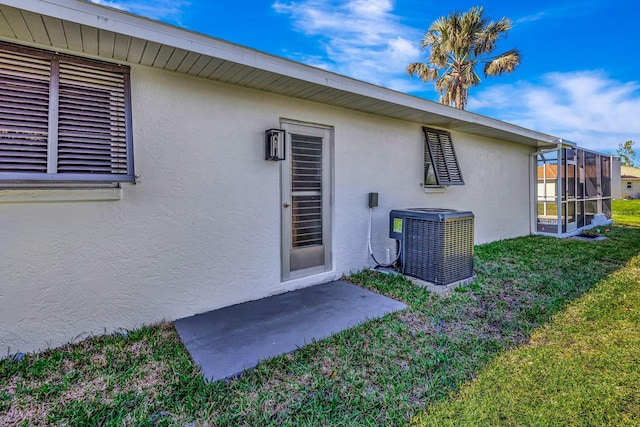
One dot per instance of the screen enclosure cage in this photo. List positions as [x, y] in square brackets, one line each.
[573, 186]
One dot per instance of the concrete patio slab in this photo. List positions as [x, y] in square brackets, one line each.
[228, 341]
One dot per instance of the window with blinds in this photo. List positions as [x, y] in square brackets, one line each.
[63, 118]
[440, 162]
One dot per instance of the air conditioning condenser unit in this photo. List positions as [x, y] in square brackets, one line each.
[436, 244]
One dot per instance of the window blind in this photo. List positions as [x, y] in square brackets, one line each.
[63, 118]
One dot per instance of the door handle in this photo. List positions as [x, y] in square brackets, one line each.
[286, 205]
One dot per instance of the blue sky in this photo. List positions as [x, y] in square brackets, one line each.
[578, 79]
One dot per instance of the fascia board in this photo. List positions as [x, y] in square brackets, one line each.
[118, 21]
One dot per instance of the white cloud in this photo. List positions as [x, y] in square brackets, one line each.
[531, 18]
[362, 39]
[165, 10]
[587, 107]
[562, 10]
[366, 40]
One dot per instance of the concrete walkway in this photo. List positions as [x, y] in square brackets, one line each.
[225, 342]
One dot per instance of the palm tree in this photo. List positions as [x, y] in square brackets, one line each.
[458, 42]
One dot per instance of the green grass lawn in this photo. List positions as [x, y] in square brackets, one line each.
[582, 368]
[535, 317]
[626, 212]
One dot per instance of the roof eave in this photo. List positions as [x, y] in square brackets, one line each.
[333, 86]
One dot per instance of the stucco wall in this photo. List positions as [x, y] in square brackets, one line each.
[616, 190]
[201, 229]
[634, 191]
[630, 178]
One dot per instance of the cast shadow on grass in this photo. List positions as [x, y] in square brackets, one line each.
[380, 373]
[383, 372]
[580, 368]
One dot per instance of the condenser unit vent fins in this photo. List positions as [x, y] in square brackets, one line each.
[437, 245]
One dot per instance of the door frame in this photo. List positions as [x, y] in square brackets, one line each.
[570, 226]
[327, 133]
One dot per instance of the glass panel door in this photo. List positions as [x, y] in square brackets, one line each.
[305, 181]
[569, 211]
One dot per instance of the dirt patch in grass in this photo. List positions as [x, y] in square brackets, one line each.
[582, 368]
[378, 373]
[114, 366]
[34, 415]
[417, 322]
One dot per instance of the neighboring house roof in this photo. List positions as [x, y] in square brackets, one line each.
[550, 171]
[629, 173]
[95, 30]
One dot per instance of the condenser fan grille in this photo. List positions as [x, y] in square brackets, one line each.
[437, 246]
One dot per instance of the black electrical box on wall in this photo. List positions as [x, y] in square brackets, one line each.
[373, 200]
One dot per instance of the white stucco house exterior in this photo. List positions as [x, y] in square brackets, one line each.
[630, 182]
[134, 185]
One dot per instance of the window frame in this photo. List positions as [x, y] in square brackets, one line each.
[53, 119]
[440, 158]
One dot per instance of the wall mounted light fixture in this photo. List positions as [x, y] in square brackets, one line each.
[274, 145]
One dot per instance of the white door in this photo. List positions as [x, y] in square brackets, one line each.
[306, 201]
